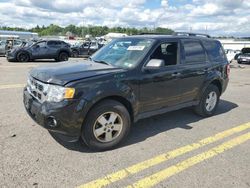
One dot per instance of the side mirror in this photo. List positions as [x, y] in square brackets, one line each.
[154, 64]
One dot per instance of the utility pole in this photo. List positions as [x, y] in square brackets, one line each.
[190, 29]
[82, 28]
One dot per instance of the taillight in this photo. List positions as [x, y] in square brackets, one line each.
[228, 70]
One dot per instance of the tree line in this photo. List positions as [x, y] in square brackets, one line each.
[82, 31]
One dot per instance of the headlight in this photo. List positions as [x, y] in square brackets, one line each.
[47, 92]
[58, 93]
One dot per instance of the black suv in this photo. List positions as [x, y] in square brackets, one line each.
[85, 49]
[51, 49]
[129, 79]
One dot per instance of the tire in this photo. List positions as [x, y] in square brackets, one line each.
[63, 56]
[203, 108]
[75, 53]
[23, 57]
[97, 131]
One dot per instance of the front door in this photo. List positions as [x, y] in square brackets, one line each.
[40, 50]
[160, 88]
[84, 49]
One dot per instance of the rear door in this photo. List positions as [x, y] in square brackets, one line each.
[195, 67]
[53, 47]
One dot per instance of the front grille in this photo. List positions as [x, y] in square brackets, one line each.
[37, 89]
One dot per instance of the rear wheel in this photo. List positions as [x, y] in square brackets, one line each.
[63, 56]
[209, 101]
[23, 57]
[106, 126]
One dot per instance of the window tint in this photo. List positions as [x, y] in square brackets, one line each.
[194, 52]
[17, 42]
[54, 43]
[41, 44]
[214, 50]
[167, 52]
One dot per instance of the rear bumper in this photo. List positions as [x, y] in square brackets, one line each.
[224, 85]
[67, 115]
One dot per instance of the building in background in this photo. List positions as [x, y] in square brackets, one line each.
[23, 35]
[234, 44]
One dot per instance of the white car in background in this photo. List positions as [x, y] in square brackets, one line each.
[231, 54]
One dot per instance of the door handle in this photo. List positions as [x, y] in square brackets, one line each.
[176, 74]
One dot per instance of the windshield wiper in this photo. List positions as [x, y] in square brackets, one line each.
[102, 62]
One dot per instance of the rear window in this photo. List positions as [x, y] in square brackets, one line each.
[194, 52]
[246, 50]
[214, 50]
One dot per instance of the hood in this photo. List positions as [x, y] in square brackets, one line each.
[63, 73]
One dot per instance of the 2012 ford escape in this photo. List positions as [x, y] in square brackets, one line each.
[131, 78]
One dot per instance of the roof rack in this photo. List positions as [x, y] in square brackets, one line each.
[191, 34]
[148, 33]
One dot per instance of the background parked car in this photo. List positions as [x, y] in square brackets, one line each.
[85, 48]
[51, 49]
[9, 44]
[244, 57]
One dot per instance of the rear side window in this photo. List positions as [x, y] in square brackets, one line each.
[214, 50]
[194, 52]
[54, 43]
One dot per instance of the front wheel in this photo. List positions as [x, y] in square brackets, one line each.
[23, 57]
[209, 101]
[106, 126]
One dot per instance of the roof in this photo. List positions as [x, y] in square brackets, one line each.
[160, 37]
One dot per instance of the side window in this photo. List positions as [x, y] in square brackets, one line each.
[52, 43]
[194, 52]
[17, 42]
[85, 45]
[58, 43]
[41, 44]
[214, 50]
[167, 52]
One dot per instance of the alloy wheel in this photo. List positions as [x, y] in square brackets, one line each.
[211, 101]
[108, 127]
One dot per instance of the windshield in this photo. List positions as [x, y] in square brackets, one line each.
[124, 53]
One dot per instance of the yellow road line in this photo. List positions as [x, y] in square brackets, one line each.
[121, 174]
[11, 86]
[166, 173]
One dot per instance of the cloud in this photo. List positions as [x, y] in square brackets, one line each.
[220, 17]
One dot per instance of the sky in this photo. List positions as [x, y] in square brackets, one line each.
[217, 17]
